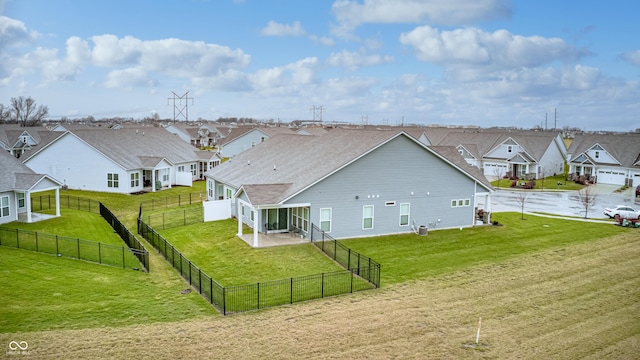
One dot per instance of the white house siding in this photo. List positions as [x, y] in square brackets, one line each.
[495, 169]
[79, 166]
[398, 172]
[13, 211]
[552, 162]
[243, 142]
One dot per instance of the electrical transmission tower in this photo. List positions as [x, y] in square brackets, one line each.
[180, 109]
[317, 112]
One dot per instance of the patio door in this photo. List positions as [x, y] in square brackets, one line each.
[277, 220]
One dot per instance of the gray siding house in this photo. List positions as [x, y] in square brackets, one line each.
[349, 183]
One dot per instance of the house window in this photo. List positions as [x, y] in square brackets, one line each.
[467, 202]
[135, 179]
[460, 202]
[404, 214]
[325, 219]
[165, 175]
[252, 214]
[210, 189]
[194, 169]
[262, 139]
[461, 151]
[253, 143]
[597, 154]
[4, 206]
[112, 180]
[454, 203]
[181, 168]
[509, 148]
[367, 217]
[230, 194]
[300, 218]
[20, 200]
[242, 210]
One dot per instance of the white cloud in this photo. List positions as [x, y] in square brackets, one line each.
[276, 29]
[632, 57]
[475, 47]
[287, 78]
[351, 14]
[14, 32]
[355, 60]
[129, 78]
[326, 41]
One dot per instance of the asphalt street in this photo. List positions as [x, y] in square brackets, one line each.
[565, 203]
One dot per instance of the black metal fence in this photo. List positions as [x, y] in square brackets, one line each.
[175, 218]
[48, 202]
[351, 260]
[127, 236]
[172, 201]
[92, 251]
[241, 298]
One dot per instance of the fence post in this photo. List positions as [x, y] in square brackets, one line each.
[37, 241]
[211, 289]
[322, 291]
[123, 257]
[57, 252]
[17, 239]
[200, 280]
[258, 295]
[349, 259]
[335, 249]
[224, 300]
[99, 254]
[291, 291]
[351, 273]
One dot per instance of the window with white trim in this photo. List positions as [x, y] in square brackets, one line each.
[4, 206]
[404, 214]
[165, 175]
[20, 200]
[229, 193]
[112, 180]
[460, 202]
[367, 217]
[181, 168]
[325, 219]
[135, 179]
[300, 218]
[210, 189]
[194, 169]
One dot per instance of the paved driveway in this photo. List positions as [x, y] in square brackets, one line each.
[562, 202]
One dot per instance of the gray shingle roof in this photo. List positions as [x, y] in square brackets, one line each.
[287, 164]
[15, 175]
[624, 147]
[138, 148]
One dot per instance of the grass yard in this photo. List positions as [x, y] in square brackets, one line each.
[550, 183]
[410, 257]
[45, 292]
[75, 224]
[573, 301]
[215, 249]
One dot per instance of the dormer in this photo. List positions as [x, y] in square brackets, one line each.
[600, 155]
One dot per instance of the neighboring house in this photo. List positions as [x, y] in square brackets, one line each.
[242, 138]
[17, 183]
[349, 183]
[207, 161]
[198, 136]
[521, 153]
[606, 158]
[17, 139]
[123, 161]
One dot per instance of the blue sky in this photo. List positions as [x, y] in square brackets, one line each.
[453, 62]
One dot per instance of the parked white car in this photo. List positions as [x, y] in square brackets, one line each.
[622, 211]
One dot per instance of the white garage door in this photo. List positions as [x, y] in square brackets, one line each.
[614, 177]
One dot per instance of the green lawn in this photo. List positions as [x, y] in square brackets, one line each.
[75, 224]
[409, 257]
[44, 292]
[216, 250]
[548, 183]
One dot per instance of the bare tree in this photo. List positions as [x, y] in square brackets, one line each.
[521, 199]
[5, 114]
[497, 171]
[26, 112]
[587, 198]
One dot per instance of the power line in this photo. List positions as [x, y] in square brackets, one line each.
[180, 109]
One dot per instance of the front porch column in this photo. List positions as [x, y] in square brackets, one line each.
[239, 217]
[27, 199]
[57, 201]
[255, 227]
[487, 201]
[153, 180]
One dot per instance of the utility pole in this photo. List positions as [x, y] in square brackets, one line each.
[365, 119]
[180, 109]
[545, 121]
[317, 112]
